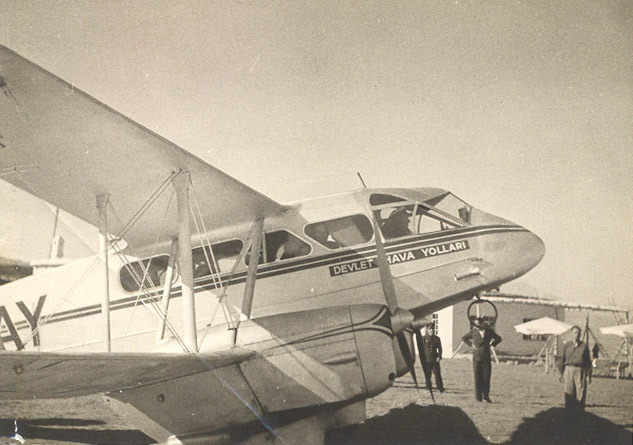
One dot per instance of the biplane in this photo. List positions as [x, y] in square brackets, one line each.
[212, 313]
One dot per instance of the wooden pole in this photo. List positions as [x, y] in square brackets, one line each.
[457, 350]
[547, 351]
[629, 344]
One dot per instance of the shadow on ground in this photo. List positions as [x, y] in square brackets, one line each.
[71, 430]
[554, 427]
[411, 425]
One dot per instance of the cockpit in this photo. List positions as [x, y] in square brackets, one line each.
[398, 217]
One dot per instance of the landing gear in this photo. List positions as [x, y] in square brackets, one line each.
[482, 309]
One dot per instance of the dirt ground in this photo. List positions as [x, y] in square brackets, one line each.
[526, 409]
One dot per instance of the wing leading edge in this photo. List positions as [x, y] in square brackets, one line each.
[66, 147]
[54, 375]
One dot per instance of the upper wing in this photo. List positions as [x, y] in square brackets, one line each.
[66, 147]
[24, 375]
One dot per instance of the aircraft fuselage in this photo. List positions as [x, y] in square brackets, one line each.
[443, 258]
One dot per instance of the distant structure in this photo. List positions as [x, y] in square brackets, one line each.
[452, 322]
[11, 270]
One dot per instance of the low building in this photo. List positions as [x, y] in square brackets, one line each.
[452, 322]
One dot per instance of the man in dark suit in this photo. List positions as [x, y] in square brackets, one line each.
[430, 351]
[482, 338]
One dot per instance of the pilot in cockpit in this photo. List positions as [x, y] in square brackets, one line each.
[397, 224]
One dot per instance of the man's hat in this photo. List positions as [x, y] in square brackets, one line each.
[398, 211]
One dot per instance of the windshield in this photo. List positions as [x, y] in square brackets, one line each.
[451, 205]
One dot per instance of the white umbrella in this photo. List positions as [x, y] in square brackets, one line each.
[543, 326]
[626, 348]
[622, 330]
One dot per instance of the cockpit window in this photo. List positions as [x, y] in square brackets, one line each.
[395, 221]
[452, 205]
[341, 232]
[150, 272]
[377, 199]
[221, 257]
[413, 219]
[427, 221]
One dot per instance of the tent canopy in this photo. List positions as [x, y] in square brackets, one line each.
[543, 326]
[622, 330]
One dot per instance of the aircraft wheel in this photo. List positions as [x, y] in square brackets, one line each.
[482, 309]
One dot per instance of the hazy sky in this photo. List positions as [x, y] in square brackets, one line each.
[522, 108]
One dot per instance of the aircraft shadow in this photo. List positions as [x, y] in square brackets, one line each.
[411, 425]
[72, 431]
[553, 426]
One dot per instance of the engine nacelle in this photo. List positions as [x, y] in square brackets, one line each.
[308, 359]
[317, 357]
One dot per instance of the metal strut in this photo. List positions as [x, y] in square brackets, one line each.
[169, 276]
[249, 290]
[102, 202]
[181, 184]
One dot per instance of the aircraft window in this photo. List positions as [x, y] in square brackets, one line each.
[281, 245]
[377, 199]
[153, 269]
[453, 206]
[341, 232]
[225, 254]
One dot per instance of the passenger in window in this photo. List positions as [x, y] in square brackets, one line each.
[201, 268]
[292, 248]
[322, 235]
[397, 224]
[200, 265]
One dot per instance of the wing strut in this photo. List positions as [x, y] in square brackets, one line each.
[249, 290]
[181, 184]
[169, 276]
[102, 204]
[255, 239]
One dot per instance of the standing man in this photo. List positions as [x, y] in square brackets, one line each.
[482, 338]
[430, 351]
[574, 368]
[595, 355]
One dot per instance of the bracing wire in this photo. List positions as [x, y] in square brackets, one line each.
[238, 261]
[146, 278]
[217, 280]
[146, 205]
[146, 296]
[212, 263]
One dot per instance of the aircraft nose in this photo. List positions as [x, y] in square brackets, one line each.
[533, 251]
[513, 249]
[513, 253]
